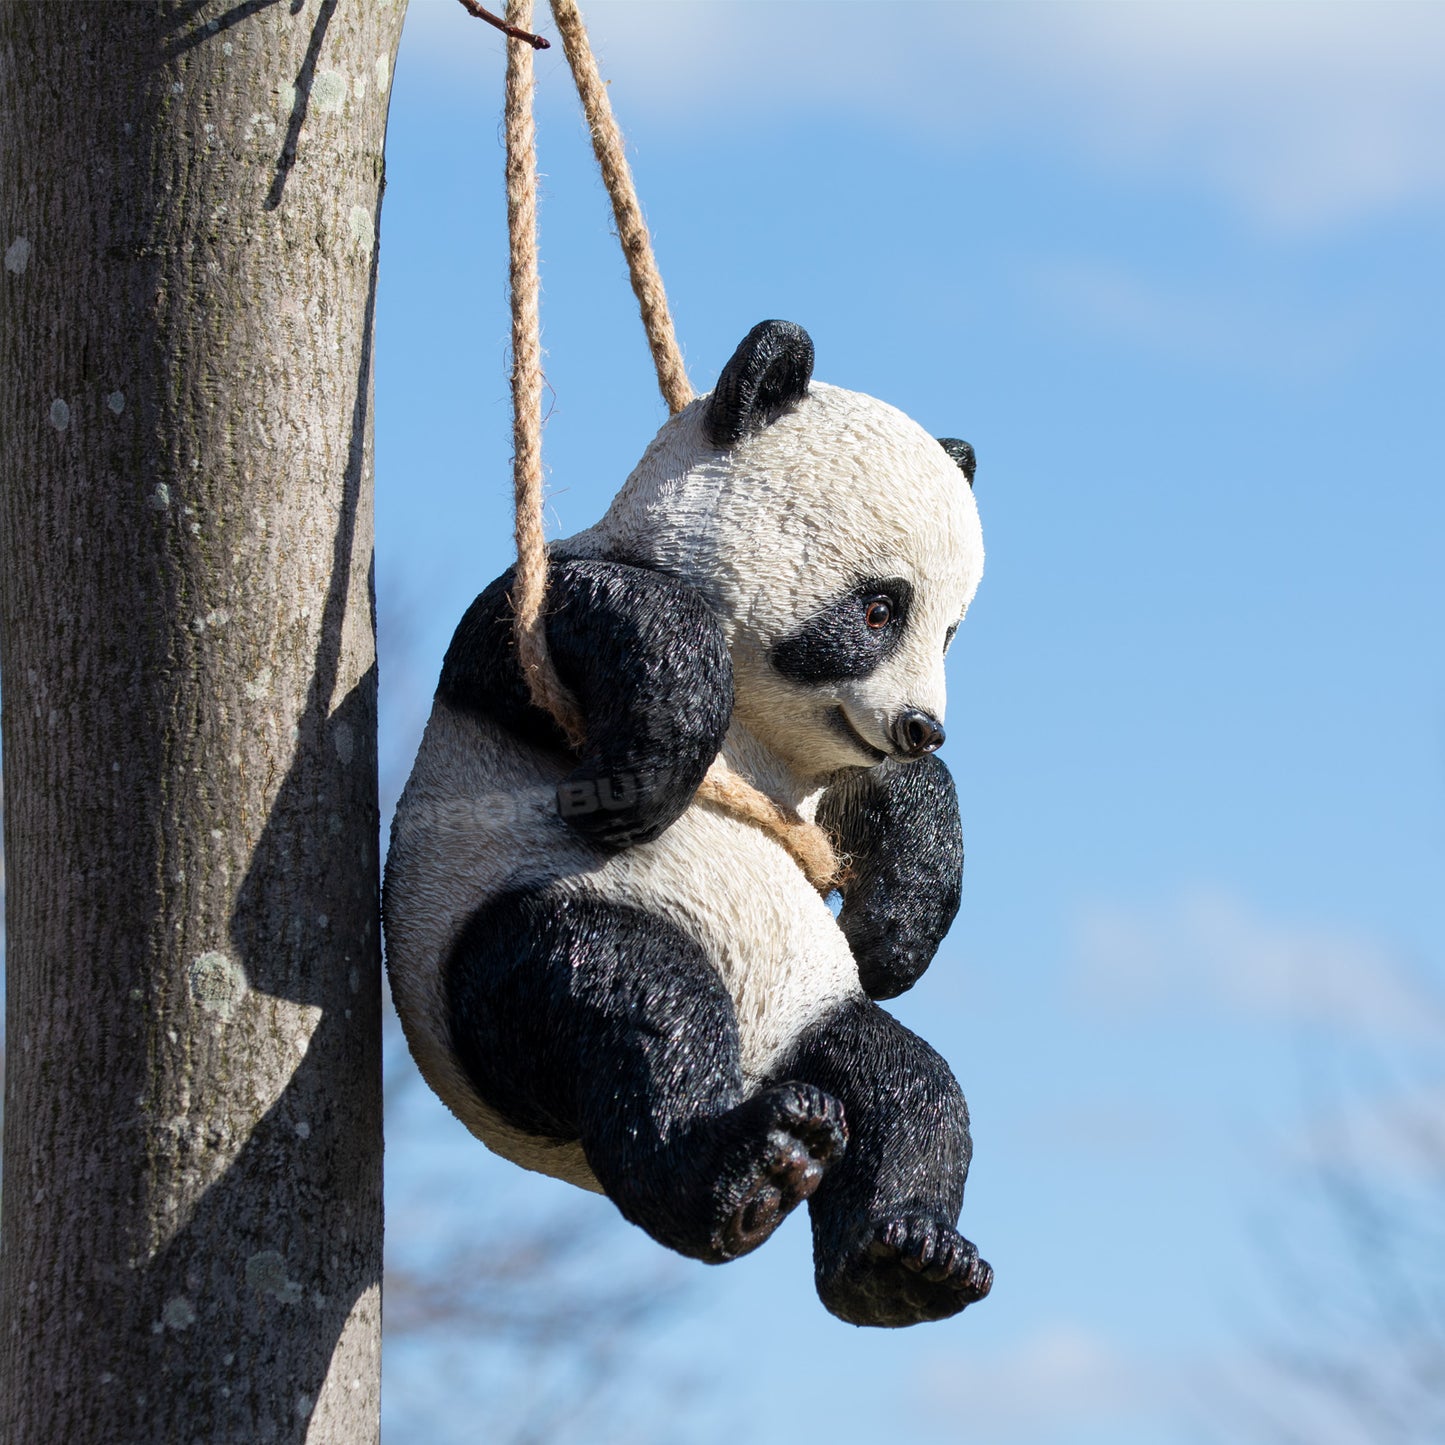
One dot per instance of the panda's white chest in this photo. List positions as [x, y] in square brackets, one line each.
[773, 941]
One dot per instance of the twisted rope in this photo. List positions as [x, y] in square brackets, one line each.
[810, 846]
[529, 590]
[722, 788]
[632, 232]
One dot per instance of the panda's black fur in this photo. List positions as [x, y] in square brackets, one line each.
[641, 994]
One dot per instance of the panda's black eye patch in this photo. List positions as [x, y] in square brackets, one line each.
[948, 637]
[850, 636]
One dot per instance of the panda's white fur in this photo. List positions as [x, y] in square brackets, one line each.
[840, 487]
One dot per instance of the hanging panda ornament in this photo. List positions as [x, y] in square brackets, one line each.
[612, 981]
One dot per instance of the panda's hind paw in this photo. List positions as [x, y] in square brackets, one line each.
[935, 1252]
[811, 1117]
[802, 1134]
[913, 1269]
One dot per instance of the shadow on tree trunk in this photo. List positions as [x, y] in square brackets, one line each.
[284, 928]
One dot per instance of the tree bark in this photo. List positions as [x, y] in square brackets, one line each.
[192, 1212]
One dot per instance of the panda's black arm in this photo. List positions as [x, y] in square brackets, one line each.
[645, 658]
[897, 825]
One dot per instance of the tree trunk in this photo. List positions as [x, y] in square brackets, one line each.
[192, 1212]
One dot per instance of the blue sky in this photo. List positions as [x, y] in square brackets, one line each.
[1175, 271]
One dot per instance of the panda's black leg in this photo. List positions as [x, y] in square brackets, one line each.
[581, 1019]
[885, 1243]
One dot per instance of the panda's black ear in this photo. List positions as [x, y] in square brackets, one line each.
[767, 374]
[962, 454]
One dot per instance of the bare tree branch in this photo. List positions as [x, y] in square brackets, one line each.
[1361, 1343]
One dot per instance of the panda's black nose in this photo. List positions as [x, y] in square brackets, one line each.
[917, 734]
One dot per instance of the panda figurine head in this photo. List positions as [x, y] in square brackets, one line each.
[838, 542]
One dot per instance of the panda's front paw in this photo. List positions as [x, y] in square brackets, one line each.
[616, 809]
[619, 807]
[912, 1269]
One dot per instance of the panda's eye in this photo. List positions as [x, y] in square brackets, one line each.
[849, 637]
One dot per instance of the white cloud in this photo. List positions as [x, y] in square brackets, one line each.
[1224, 327]
[1207, 947]
[1299, 115]
[1063, 1377]
[1066, 1382]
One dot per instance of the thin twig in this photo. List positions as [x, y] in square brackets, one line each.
[537, 42]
